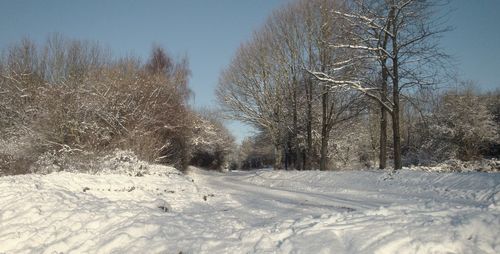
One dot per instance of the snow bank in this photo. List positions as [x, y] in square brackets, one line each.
[128, 207]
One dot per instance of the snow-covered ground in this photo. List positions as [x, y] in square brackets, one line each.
[251, 212]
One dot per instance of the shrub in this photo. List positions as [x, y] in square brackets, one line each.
[72, 95]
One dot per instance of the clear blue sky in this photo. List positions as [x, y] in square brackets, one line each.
[210, 31]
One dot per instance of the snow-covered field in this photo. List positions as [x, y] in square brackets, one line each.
[251, 212]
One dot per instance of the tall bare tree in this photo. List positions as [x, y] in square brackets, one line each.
[266, 84]
[251, 94]
[401, 36]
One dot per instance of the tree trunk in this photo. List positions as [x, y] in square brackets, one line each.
[383, 97]
[287, 156]
[323, 163]
[396, 134]
[309, 151]
[383, 118]
[296, 161]
[324, 130]
[278, 157]
[395, 97]
[383, 139]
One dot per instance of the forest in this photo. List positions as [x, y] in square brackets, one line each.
[335, 85]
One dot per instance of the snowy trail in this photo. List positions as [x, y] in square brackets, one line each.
[253, 186]
[302, 200]
[251, 212]
[352, 214]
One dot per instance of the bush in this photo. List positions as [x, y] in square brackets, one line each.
[464, 126]
[72, 96]
[212, 144]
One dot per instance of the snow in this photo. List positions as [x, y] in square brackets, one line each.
[261, 211]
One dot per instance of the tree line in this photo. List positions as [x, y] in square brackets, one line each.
[73, 98]
[327, 82]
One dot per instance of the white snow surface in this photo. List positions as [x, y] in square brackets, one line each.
[260, 211]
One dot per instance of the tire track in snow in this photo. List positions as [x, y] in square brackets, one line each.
[244, 191]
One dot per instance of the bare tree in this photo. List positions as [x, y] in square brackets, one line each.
[159, 62]
[250, 94]
[266, 84]
[401, 36]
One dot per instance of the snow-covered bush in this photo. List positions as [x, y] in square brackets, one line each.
[66, 159]
[121, 162]
[18, 152]
[211, 143]
[71, 93]
[454, 165]
[459, 124]
[255, 152]
[350, 149]
[463, 127]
